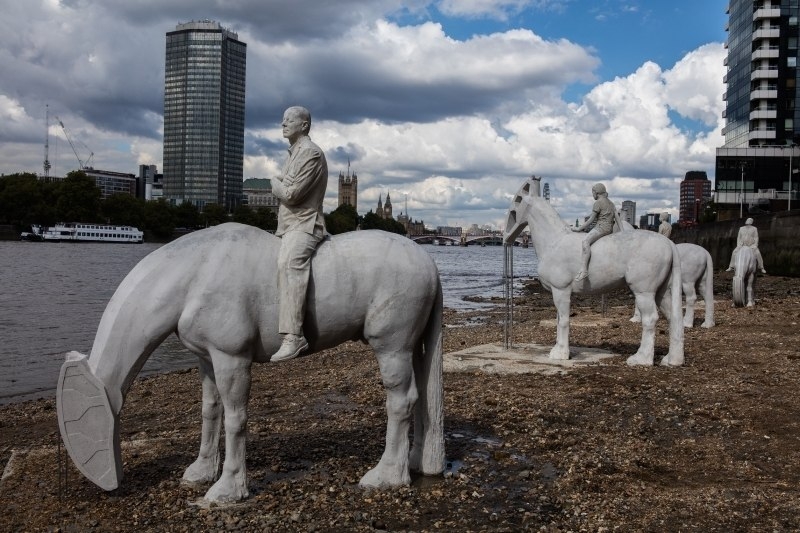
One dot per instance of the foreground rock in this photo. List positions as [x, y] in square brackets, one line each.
[708, 446]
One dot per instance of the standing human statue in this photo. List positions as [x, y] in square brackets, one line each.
[604, 215]
[748, 236]
[301, 226]
[665, 228]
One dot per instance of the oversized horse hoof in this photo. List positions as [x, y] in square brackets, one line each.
[707, 325]
[88, 426]
[688, 325]
[559, 353]
[383, 477]
[638, 359]
[227, 490]
[750, 304]
[201, 472]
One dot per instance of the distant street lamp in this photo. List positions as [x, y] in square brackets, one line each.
[791, 171]
[741, 194]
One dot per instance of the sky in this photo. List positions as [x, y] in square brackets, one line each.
[447, 105]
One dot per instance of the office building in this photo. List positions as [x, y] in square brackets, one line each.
[258, 193]
[204, 90]
[111, 183]
[695, 194]
[628, 212]
[761, 107]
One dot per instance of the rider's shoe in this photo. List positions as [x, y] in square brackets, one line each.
[292, 346]
[582, 275]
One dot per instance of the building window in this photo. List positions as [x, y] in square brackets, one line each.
[791, 62]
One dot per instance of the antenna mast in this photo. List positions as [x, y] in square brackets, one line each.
[46, 163]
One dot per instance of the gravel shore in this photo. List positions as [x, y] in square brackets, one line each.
[710, 446]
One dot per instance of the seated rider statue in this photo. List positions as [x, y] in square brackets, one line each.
[301, 226]
[748, 236]
[665, 228]
[603, 215]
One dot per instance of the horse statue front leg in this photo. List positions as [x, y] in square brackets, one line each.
[205, 469]
[561, 299]
[401, 395]
[232, 375]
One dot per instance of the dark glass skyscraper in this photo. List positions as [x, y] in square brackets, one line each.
[762, 116]
[204, 88]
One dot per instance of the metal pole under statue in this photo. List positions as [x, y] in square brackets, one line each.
[508, 292]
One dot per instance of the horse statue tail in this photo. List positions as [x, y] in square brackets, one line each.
[427, 453]
[708, 292]
[745, 265]
[675, 356]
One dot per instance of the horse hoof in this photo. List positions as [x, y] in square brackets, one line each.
[639, 360]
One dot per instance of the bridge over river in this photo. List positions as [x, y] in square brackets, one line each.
[469, 240]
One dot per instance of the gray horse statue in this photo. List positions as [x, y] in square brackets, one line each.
[644, 261]
[744, 275]
[697, 273]
[217, 290]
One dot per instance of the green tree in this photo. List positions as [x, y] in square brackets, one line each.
[187, 216]
[373, 221]
[159, 218]
[266, 219]
[342, 219]
[20, 197]
[214, 214]
[123, 209]
[244, 215]
[79, 200]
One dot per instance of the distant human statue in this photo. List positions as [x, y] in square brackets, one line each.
[748, 236]
[665, 228]
[301, 226]
[603, 215]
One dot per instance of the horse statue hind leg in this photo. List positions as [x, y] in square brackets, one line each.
[367, 285]
[743, 277]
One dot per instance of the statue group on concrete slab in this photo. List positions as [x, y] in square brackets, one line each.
[645, 261]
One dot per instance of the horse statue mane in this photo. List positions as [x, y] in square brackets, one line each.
[217, 290]
[645, 262]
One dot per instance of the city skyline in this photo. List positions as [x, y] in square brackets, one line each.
[452, 104]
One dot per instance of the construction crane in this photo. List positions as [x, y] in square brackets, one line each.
[46, 164]
[81, 164]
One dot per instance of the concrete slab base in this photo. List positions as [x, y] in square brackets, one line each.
[521, 359]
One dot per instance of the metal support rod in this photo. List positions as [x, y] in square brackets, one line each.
[508, 293]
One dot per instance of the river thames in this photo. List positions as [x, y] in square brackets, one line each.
[53, 295]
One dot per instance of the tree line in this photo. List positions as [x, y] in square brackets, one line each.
[26, 200]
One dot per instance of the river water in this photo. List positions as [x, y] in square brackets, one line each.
[52, 296]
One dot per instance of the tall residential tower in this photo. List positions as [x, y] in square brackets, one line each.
[761, 106]
[204, 88]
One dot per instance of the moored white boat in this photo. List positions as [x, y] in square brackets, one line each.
[80, 232]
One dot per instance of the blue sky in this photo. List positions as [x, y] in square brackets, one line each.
[450, 103]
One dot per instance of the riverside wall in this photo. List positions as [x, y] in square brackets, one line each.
[778, 234]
